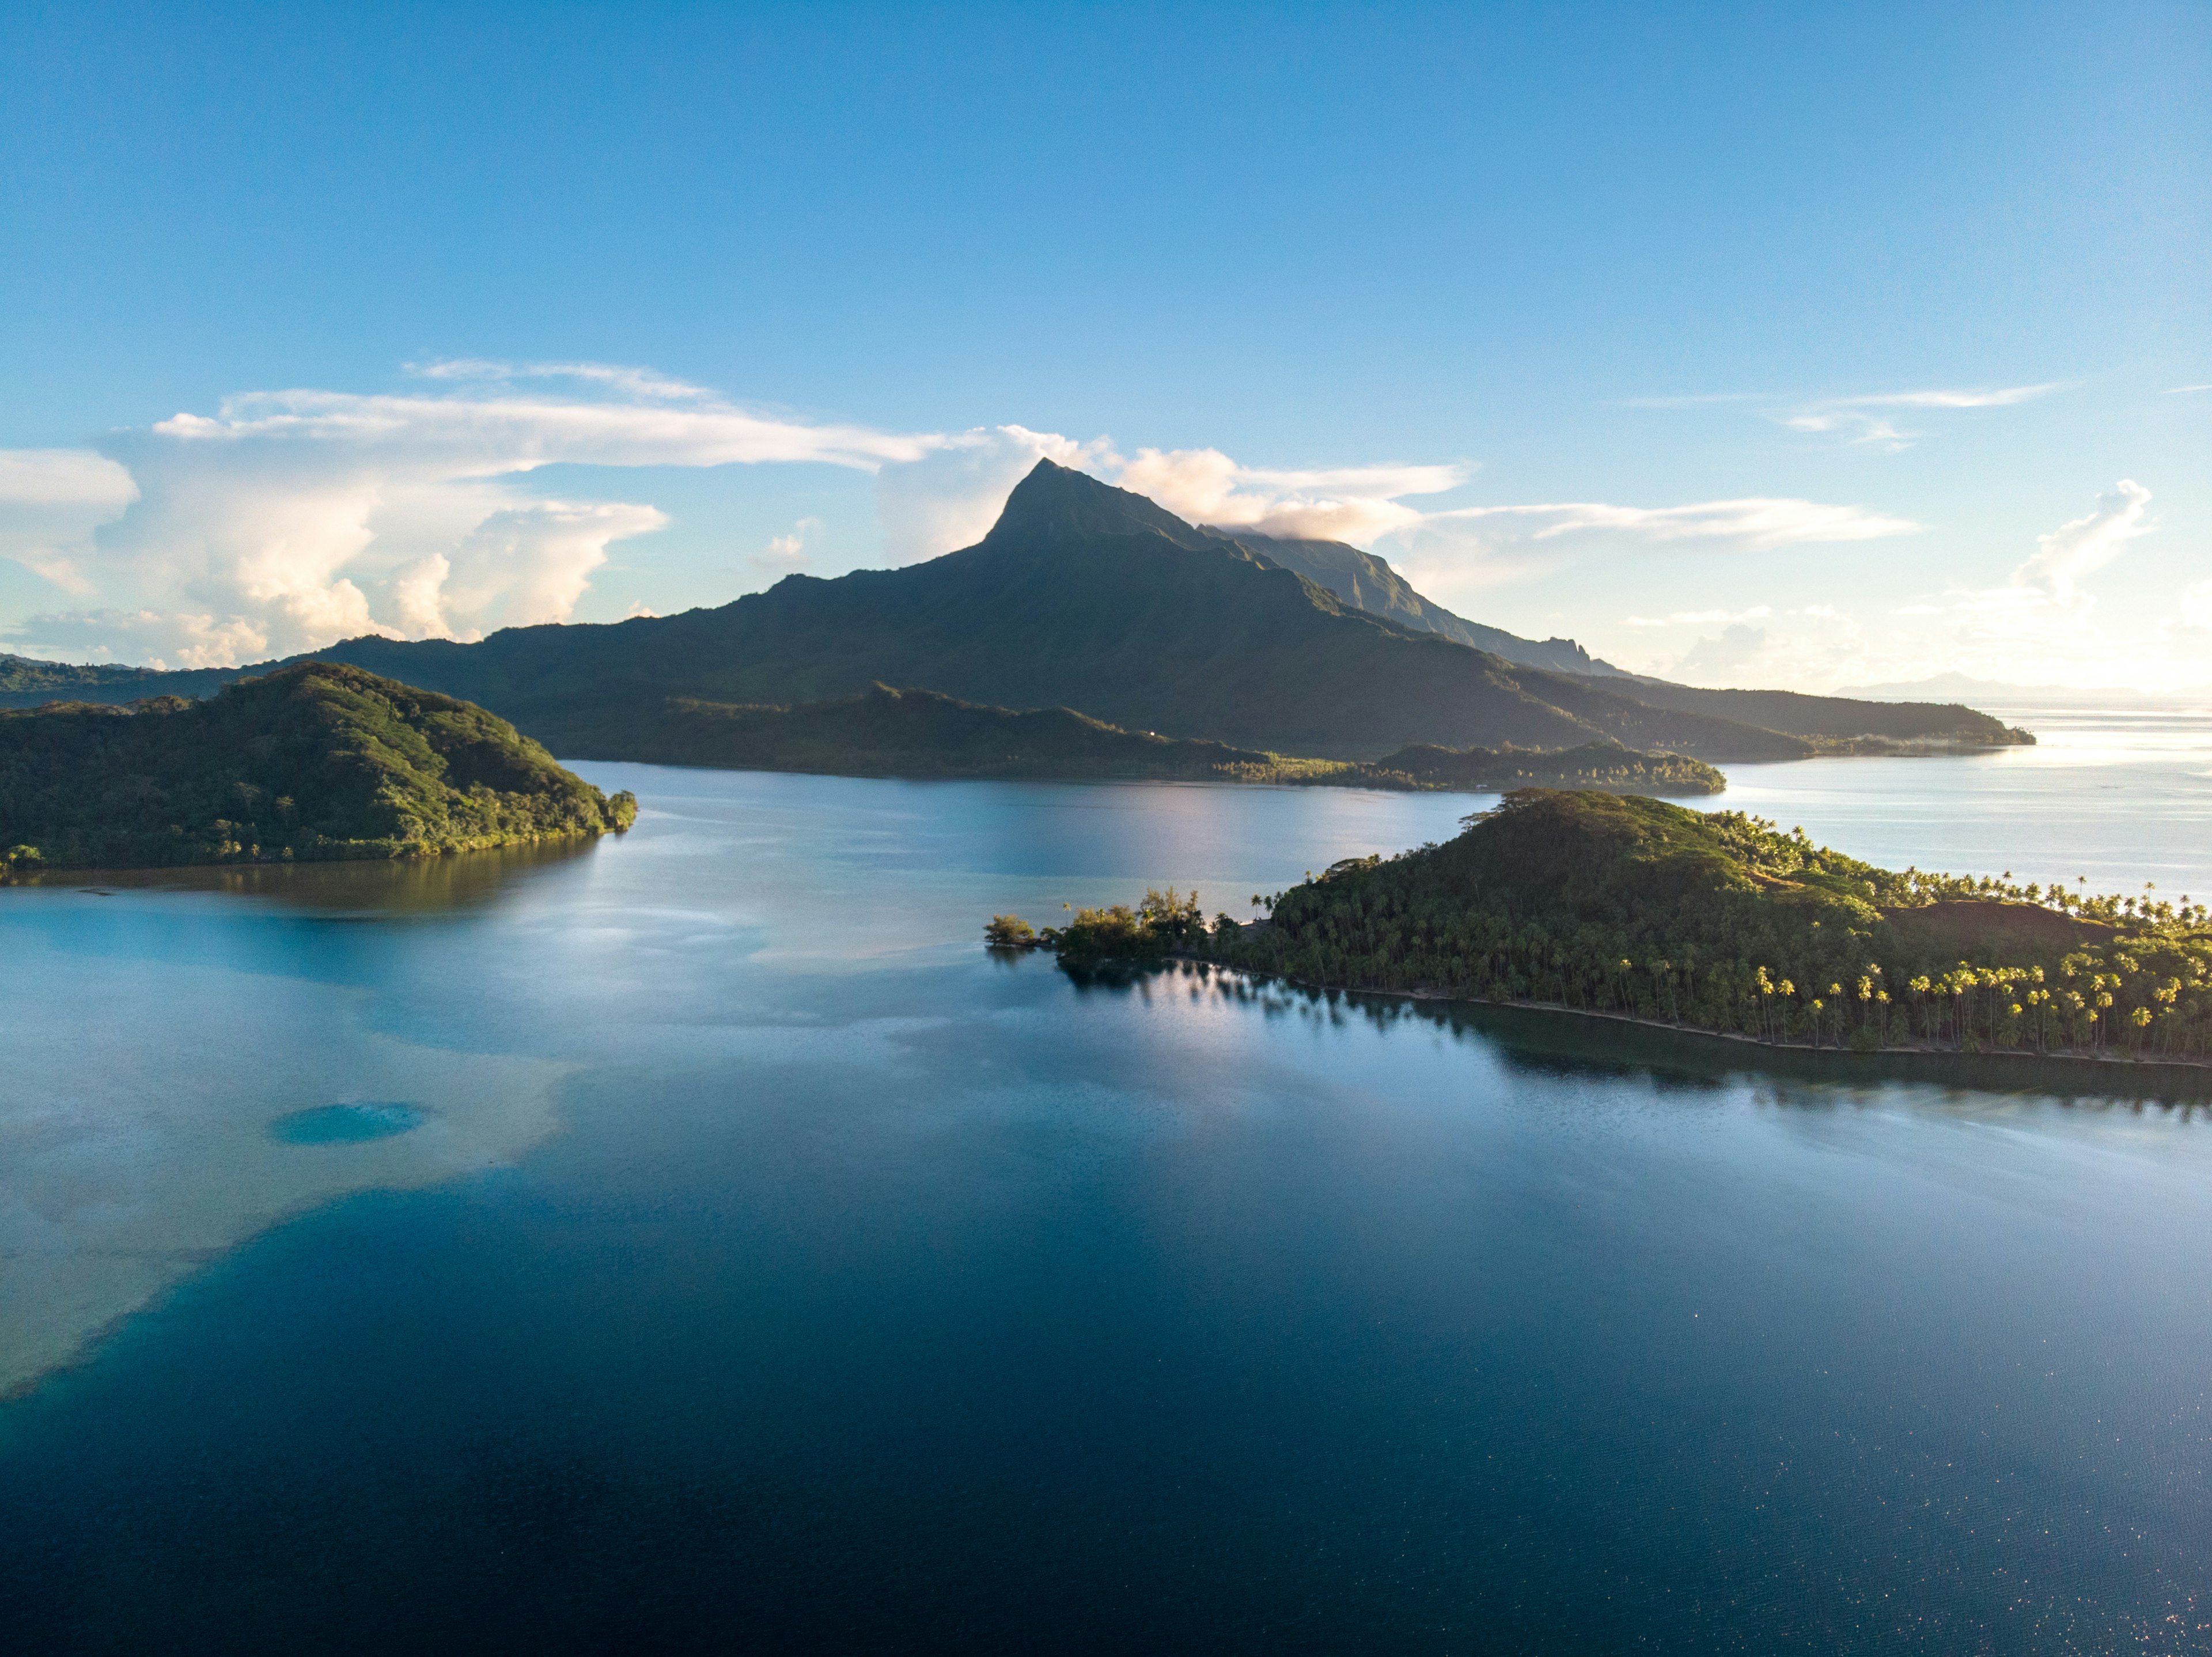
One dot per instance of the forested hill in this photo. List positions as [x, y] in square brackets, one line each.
[312, 762]
[1722, 922]
[924, 733]
[1086, 596]
[27, 683]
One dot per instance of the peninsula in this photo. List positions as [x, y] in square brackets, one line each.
[1719, 921]
[310, 763]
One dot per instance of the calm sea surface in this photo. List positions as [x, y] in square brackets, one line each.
[698, 1242]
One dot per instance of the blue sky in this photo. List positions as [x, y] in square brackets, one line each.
[1755, 346]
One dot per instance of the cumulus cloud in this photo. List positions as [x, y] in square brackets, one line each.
[1724, 656]
[786, 554]
[291, 519]
[2086, 545]
[52, 500]
[1348, 504]
[287, 519]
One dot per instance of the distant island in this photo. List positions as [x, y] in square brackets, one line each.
[311, 763]
[1088, 597]
[1633, 908]
[1958, 687]
[885, 732]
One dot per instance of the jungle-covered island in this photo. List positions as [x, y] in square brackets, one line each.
[316, 762]
[1722, 922]
[884, 732]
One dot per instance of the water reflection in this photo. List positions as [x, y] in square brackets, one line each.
[1541, 1040]
[399, 885]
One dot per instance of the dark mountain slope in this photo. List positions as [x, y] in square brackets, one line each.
[1090, 597]
[1082, 596]
[1367, 583]
[1828, 717]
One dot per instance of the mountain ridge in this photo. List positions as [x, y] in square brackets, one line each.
[1086, 596]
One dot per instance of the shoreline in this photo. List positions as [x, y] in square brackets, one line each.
[2196, 1073]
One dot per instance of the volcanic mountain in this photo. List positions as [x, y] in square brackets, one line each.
[1090, 597]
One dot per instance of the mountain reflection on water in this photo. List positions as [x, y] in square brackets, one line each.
[771, 1267]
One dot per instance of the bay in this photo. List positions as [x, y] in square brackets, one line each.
[700, 1242]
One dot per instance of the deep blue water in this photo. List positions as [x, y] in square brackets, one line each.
[766, 1267]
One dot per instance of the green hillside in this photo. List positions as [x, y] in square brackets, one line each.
[890, 732]
[309, 763]
[1720, 922]
[27, 683]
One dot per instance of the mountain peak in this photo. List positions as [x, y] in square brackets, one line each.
[1056, 503]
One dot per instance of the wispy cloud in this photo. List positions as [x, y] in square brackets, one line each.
[2179, 391]
[630, 380]
[1756, 524]
[1870, 420]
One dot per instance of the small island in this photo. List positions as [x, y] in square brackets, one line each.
[1632, 907]
[883, 732]
[313, 763]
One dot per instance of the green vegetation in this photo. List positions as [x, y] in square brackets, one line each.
[1087, 596]
[1599, 765]
[309, 763]
[888, 733]
[1011, 932]
[25, 683]
[1166, 923]
[1719, 921]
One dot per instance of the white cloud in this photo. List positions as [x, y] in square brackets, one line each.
[1861, 416]
[52, 500]
[786, 554]
[1870, 420]
[1757, 524]
[630, 380]
[293, 519]
[1346, 504]
[949, 498]
[2086, 545]
[1736, 649]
